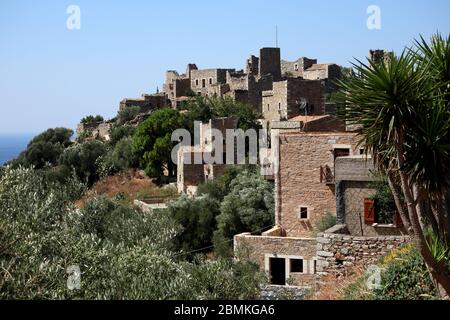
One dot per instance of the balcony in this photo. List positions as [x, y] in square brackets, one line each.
[326, 175]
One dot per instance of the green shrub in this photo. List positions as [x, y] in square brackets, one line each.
[92, 119]
[83, 158]
[45, 149]
[120, 132]
[248, 207]
[325, 222]
[197, 217]
[122, 253]
[127, 114]
[404, 276]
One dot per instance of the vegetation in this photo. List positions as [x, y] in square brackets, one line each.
[327, 221]
[127, 114]
[404, 276]
[152, 142]
[197, 216]
[92, 119]
[239, 201]
[402, 109]
[122, 253]
[45, 149]
[206, 108]
[248, 207]
[82, 158]
[383, 200]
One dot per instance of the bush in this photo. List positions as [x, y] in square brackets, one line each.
[128, 114]
[206, 108]
[83, 158]
[405, 277]
[248, 207]
[120, 132]
[325, 222]
[197, 217]
[45, 149]
[122, 253]
[92, 119]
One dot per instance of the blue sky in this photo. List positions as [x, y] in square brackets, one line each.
[51, 76]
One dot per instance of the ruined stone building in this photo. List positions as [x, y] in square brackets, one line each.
[266, 80]
[192, 170]
[146, 103]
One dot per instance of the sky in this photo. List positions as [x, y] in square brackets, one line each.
[52, 76]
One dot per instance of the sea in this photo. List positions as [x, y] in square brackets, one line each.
[12, 144]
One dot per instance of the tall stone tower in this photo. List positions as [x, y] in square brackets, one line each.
[270, 62]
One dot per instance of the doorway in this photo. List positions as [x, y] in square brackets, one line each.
[278, 271]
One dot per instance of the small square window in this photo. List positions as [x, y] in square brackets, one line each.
[303, 213]
[296, 265]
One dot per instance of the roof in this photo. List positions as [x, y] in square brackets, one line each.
[319, 66]
[306, 119]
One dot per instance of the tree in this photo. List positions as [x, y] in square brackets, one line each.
[82, 158]
[401, 108]
[197, 217]
[152, 141]
[248, 207]
[121, 252]
[119, 132]
[128, 114]
[45, 149]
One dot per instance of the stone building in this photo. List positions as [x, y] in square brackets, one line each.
[316, 173]
[355, 208]
[191, 167]
[147, 102]
[296, 68]
[292, 97]
[95, 130]
[304, 192]
[264, 73]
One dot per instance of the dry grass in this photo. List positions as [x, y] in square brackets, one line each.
[131, 185]
[332, 286]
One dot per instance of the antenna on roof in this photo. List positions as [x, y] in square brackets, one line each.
[276, 36]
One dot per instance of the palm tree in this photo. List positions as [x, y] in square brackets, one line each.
[401, 109]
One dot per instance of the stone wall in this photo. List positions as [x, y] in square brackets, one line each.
[272, 292]
[261, 248]
[95, 130]
[337, 250]
[298, 182]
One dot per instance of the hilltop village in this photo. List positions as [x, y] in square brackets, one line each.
[314, 161]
